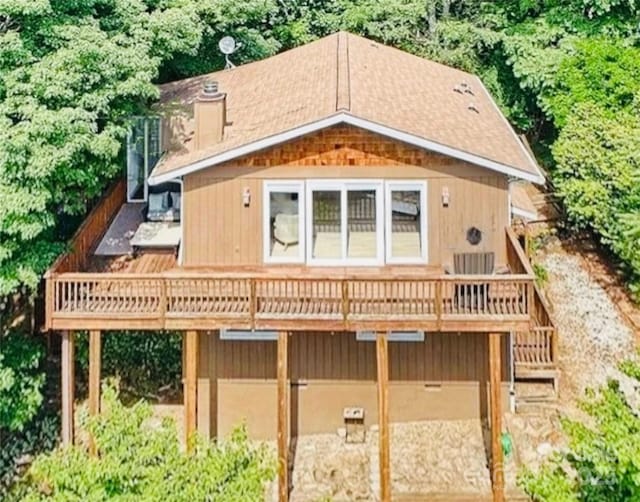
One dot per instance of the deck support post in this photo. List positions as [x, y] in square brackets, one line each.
[283, 416]
[68, 385]
[190, 386]
[95, 356]
[495, 401]
[382, 360]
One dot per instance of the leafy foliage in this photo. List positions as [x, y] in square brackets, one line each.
[139, 460]
[603, 458]
[142, 361]
[21, 381]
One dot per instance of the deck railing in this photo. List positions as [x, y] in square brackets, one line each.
[204, 300]
[538, 345]
[256, 301]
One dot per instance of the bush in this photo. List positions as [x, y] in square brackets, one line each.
[602, 462]
[142, 361]
[21, 381]
[140, 460]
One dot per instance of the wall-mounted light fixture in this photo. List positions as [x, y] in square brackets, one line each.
[445, 197]
[246, 196]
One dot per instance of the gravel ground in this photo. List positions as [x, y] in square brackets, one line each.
[593, 338]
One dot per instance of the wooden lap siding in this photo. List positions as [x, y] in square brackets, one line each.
[445, 377]
[220, 230]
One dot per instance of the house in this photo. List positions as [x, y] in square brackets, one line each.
[330, 228]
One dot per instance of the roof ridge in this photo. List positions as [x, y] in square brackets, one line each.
[343, 83]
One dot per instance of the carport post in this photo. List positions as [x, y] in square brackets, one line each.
[190, 385]
[68, 386]
[95, 356]
[382, 360]
[283, 417]
[495, 372]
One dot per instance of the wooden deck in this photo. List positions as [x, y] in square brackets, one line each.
[150, 292]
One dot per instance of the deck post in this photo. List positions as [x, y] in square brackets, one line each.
[495, 401]
[283, 416]
[190, 385]
[382, 359]
[95, 355]
[68, 385]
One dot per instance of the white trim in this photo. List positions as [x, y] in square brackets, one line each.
[268, 187]
[248, 335]
[522, 213]
[408, 185]
[347, 118]
[393, 336]
[525, 150]
[344, 186]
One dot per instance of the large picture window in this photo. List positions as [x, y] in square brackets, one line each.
[284, 222]
[345, 222]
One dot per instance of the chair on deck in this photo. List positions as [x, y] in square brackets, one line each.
[474, 295]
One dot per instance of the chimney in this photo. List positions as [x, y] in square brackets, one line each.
[210, 113]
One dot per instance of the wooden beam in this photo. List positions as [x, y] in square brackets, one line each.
[95, 356]
[190, 385]
[382, 359]
[283, 417]
[495, 371]
[68, 385]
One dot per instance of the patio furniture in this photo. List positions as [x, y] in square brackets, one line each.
[157, 235]
[285, 229]
[473, 295]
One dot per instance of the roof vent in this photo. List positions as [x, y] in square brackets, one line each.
[468, 91]
[473, 107]
[457, 88]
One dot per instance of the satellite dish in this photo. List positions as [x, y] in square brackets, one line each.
[227, 45]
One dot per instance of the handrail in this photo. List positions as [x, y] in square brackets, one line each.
[91, 229]
[223, 295]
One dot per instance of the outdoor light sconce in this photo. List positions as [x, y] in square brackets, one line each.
[246, 196]
[445, 197]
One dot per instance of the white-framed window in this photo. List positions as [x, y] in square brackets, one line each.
[344, 222]
[406, 222]
[394, 336]
[248, 335]
[283, 219]
[144, 149]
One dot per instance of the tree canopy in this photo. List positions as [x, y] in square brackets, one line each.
[72, 73]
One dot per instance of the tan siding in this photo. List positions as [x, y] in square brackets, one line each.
[220, 230]
[443, 378]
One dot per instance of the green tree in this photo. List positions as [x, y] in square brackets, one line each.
[602, 461]
[140, 460]
[21, 381]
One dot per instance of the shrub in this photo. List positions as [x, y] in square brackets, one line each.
[602, 462]
[21, 380]
[142, 361]
[140, 460]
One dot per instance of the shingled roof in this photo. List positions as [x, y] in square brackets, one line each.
[350, 79]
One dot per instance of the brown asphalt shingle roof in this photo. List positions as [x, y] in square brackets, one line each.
[350, 74]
